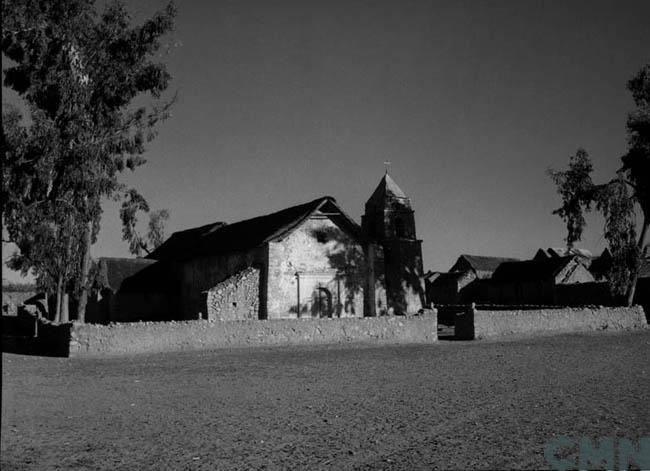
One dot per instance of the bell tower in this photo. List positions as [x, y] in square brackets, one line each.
[389, 221]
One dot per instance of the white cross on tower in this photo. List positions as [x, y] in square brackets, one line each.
[387, 164]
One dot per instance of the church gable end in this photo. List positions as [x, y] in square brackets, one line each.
[318, 269]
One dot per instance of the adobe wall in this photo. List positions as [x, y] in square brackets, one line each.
[152, 337]
[235, 298]
[198, 275]
[324, 257]
[135, 307]
[480, 324]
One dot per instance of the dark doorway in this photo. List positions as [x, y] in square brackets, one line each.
[323, 304]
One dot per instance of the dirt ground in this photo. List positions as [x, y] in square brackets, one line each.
[491, 404]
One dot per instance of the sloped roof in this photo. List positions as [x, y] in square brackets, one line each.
[181, 240]
[112, 272]
[484, 263]
[565, 252]
[448, 277]
[250, 233]
[387, 191]
[531, 270]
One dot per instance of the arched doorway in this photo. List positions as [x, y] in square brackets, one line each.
[323, 303]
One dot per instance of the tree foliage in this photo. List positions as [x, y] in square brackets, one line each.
[576, 188]
[155, 235]
[80, 74]
[616, 199]
[156, 228]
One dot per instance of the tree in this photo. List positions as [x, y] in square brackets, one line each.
[156, 228]
[80, 75]
[617, 199]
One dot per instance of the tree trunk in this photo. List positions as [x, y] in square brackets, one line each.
[642, 243]
[65, 304]
[85, 271]
[59, 296]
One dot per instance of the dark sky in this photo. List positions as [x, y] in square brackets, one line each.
[280, 102]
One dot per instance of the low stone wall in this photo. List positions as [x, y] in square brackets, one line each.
[478, 324]
[149, 337]
[236, 298]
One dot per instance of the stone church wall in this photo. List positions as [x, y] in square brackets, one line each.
[235, 298]
[316, 265]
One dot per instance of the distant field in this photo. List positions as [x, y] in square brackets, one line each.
[453, 405]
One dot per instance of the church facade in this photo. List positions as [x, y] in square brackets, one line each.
[309, 260]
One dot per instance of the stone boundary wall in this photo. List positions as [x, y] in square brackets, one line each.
[235, 298]
[152, 337]
[477, 323]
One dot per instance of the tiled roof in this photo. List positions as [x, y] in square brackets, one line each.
[449, 277]
[530, 270]
[112, 272]
[483, 263]
[565, 252]
[221, 238]
[182, 240]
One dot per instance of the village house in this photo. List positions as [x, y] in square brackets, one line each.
[446, 287]
[532, 281]
[129, 290]
[483, 267]
[495, 280]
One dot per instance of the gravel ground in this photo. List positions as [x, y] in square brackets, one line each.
[490, 404]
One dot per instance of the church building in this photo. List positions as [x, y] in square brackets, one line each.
[309, 260]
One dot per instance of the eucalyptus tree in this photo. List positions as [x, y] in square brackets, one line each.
[92, 87]
[624, 201]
